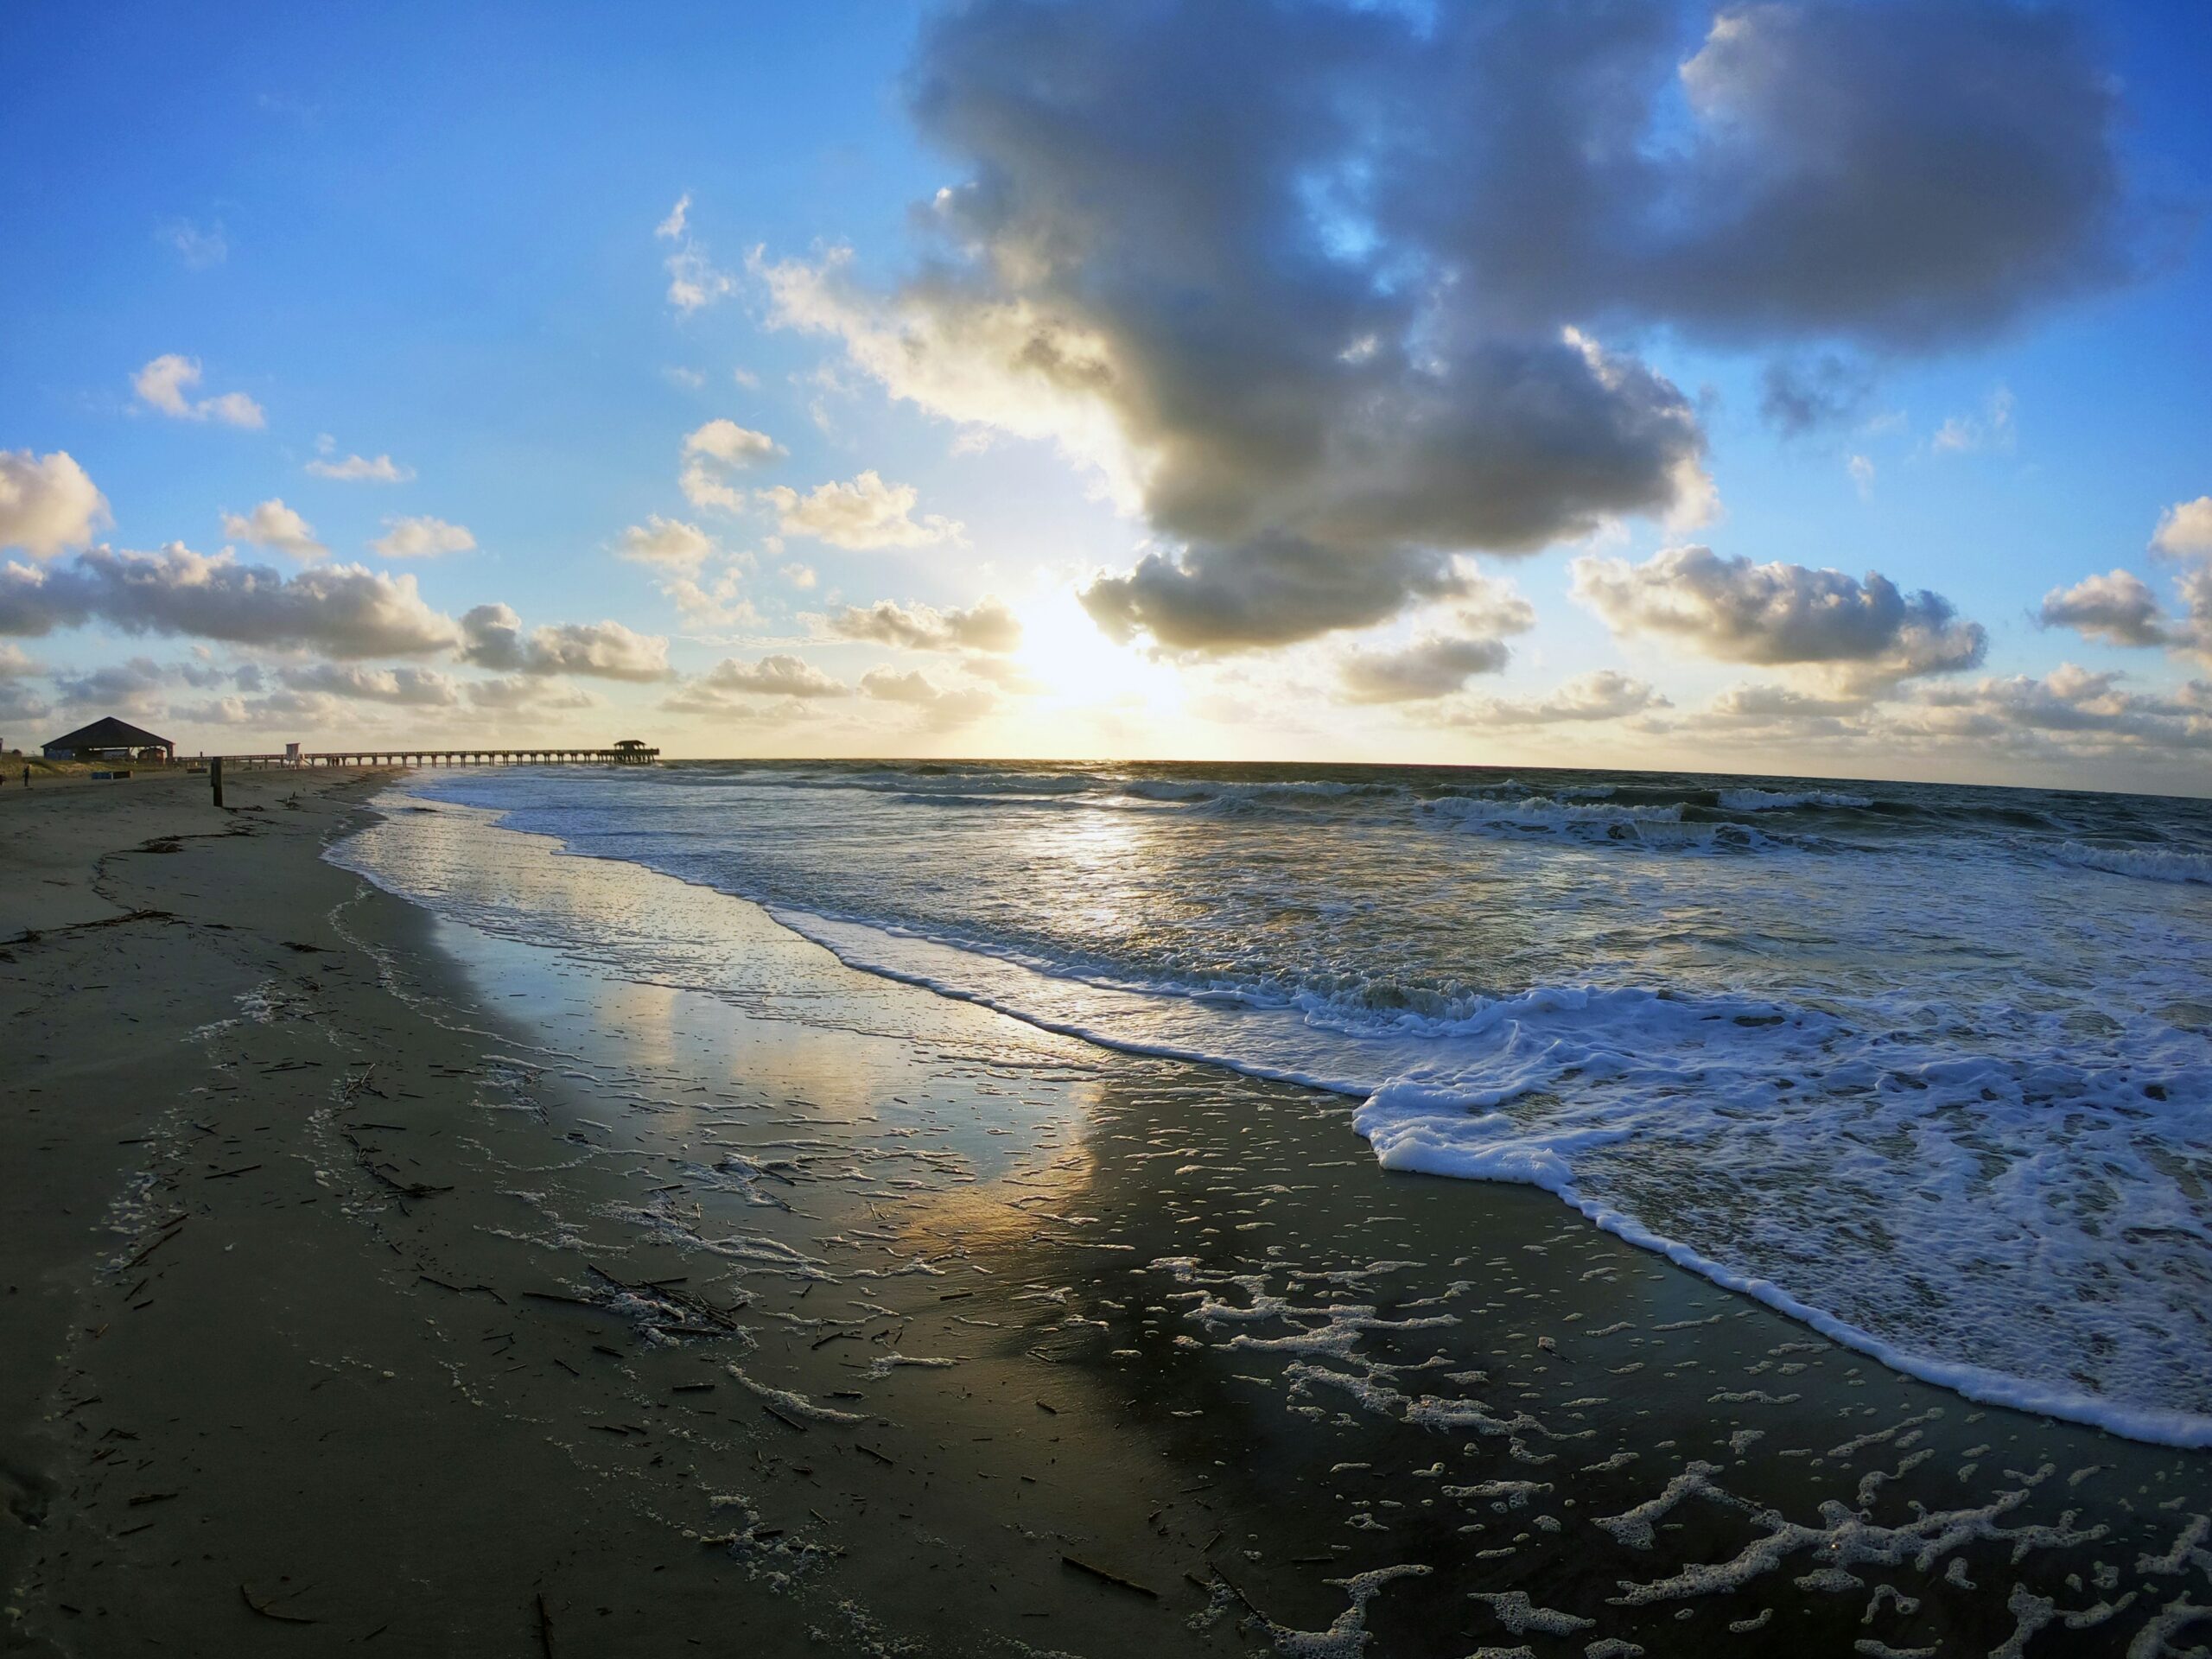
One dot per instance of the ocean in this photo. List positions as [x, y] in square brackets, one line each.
[1927, 1067]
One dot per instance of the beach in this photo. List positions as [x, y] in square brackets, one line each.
[384, 1269]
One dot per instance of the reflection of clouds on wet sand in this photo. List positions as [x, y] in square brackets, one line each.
[1177, 1317]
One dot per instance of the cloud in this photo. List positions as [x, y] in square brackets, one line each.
[357, 469]
[943, 709]
[1434, 666]
[412, 688]
[716, 449]
[1861, 468]
[17, 700]
[775, 675]
[274, 525]
[199, 249]
[1438, 664]
[493, 638]
[1326, 308]
[2068, 711]
[346, 610]
[1604, 695]
[1738, 611]
[669, 543]
[1274, 591]
[1802, 395]
[800, 576]
[161, 386]
[1764, 705]
[2186, 529]
[48, 504]
[1963, 435]
[864, 512]
[693, 281]
[2117, 607]
[139, 686]
[987, 626]
[422, 538]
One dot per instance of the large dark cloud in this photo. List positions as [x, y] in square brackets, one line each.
[1312, 283]
[343, 610]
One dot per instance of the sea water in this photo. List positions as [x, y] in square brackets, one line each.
[1928, 1067]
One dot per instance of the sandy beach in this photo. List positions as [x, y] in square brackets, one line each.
[374, 1274]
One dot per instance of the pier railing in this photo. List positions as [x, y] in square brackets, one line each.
[639, 755]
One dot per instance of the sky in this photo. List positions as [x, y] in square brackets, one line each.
[1815, 388]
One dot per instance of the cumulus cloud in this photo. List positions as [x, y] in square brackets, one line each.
[668, 543]
[422, 538]
[139, 686]
[274, 525]
[1730, 608]
[493, 638]
[48, 504]
[2070, 710]
[773, 675]
[1322, 308]
[2117, 607]
[1271, 591]
[163, 385]
[861, 513]
[1434, 666]
[344, 610]
[1437, 664]
[1604, 695]
[356, 469]
[412, 688]
[943, 708]
[713, 452]
[1780, 705]
[987, 626]
[17, 700]
[672, 227]
[2186, 529]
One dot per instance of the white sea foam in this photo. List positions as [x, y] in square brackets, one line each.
[2147, 863]
[1939, 1105]
[1769, 800]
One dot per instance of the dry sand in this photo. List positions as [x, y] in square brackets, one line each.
[371, 1279]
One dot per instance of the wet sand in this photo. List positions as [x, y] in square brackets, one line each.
[455, 1283]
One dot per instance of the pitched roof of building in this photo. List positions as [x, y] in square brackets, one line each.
[109, 733]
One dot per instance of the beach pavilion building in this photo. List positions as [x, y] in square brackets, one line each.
[110, 739]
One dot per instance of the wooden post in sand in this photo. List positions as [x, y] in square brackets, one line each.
[215, 778]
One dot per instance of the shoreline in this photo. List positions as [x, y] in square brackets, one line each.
[436, 1176]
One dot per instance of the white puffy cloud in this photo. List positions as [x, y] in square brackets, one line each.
[47, 503]
[2186, 529]
[1867, 631]
[494, 640]
[987, 626]
[714, 451]
[343, 610]
[2067, 711]
[1604, 695]
[942, 708]
[421, 537]
[357, 469]
[774, 676]
[862, 513]
[413, 688]
[668, 543]
[672, 227]
[693, 281]
[163, 384]
[274, 525]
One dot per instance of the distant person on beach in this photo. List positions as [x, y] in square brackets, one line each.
[26, 777]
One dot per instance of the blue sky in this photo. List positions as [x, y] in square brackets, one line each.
[431, 234]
